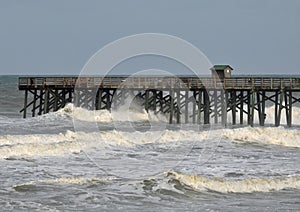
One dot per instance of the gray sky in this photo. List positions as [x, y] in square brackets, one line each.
[59, 36]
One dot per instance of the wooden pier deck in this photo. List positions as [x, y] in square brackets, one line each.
[197, 100]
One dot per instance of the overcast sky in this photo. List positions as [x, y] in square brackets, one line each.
[59, 36]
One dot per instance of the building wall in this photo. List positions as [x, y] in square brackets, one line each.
[222, 73]
[227, 73]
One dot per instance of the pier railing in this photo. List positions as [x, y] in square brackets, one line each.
[266, 83]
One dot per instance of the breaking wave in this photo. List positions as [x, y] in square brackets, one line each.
[39, 149]
[35, 145]
[141, 115]
[106, 116]
[267, 135]
[235, 186]
[37, 138]
[74, 142]
[195, 182]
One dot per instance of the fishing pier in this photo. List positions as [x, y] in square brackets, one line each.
[184, 99]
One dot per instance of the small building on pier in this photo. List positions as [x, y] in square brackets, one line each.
[221, 71]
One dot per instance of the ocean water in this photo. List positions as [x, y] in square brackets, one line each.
[75, 159]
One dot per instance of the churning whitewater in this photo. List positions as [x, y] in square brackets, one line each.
[136, 159]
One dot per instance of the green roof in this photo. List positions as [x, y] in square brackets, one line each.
[220, 67]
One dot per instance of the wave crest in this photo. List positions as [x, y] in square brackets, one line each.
[236, 186]
[268, 135]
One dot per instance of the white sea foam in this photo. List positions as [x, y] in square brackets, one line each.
[74, 142]
[38, 149]
[37, 138]
[267, 135]
[86, 115]
[142, 115]
[132, 138]
[236, 186]
[196, 182]
[106, 116]
[65, 180]
[71, 142]
[270, 116]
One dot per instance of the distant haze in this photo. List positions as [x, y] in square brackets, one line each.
[59, 36]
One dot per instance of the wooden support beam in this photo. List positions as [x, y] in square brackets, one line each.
[199, 106]
[34, 102]
[56, 98]
[77, 97]
[260, 116]
[249, 106]
[276, 107]
[186, 111]
[233, 106]
[85, 97]
[160, 100]
[206, 107]
[193, 101]
[63, 98]
[25, 104]
[178, 107]
[252, 106]
[216, 106]
[263, 108]
[241, 107]
[171, 106]
[279, 108]
[99, 102]
[42, 93]
[70, 95]
[155, 99]
[147, 100]
[224, 102]
[288, 107]
[46, 102]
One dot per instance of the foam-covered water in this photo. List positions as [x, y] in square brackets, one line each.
[237, 186]
[48, 164]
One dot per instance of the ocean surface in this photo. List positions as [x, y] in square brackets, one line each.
[75, 159]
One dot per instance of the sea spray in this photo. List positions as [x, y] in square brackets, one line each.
[106, 116]
[142, 115]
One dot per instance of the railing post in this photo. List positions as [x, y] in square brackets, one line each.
[271, 83]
